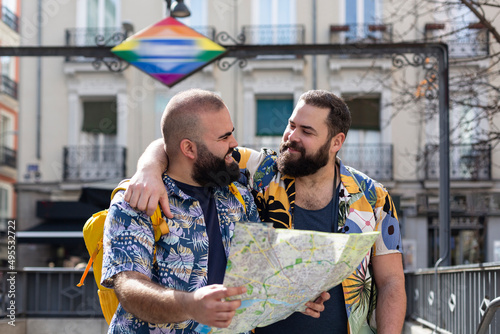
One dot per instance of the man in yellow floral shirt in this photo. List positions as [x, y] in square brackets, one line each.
[308, 187]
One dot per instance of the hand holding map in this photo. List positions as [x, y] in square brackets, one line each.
[283, 269]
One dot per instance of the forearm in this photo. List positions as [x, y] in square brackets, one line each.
[154, 158]
[149, 301]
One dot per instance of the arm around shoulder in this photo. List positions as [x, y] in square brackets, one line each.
[146, 187]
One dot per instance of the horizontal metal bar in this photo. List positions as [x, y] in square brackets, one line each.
[238, 51]
[431, 325]
[246, 51]
[488, 315]
[57, 51]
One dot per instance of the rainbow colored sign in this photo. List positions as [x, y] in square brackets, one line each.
[169, 51]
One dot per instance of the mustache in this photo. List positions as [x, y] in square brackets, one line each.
[293, 145]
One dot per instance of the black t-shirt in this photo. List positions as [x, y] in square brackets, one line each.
[334, 318]
[216, 254]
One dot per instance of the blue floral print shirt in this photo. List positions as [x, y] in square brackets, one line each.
[181, 255]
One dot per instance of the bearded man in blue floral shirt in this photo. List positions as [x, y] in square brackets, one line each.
[175, 285]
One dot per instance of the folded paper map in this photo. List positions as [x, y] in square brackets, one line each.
[283, 269]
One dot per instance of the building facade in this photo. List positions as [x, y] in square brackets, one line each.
[83, 127]
[9, 111]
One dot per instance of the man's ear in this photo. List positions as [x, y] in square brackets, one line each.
[188, 148]
[337, 142]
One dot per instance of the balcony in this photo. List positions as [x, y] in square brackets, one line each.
[10, 19]
[94, 163]
[281, 34]
[464, 39]
[46, 292]
[467, 162]
[374, 160]
[8, 86]
[94, 36]
[208, 31]
[8, 157]
[454, 299]
[369, 33]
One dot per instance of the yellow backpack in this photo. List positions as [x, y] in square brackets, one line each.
[93, 231]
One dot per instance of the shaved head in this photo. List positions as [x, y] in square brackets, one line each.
[181, 119]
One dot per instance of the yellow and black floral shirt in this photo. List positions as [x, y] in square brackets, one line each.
[364, 204]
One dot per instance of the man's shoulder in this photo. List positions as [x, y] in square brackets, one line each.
[243, 155]
[366, 183]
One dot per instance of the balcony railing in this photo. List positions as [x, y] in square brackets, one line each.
[8, 86]
[274, 34]
[208, 31]
[10, 19]
[94, 163]
[374, 160]
[109, 36]
[46, 292]
[464, 39]
[361, 33]
[467, 162]
[455, 298]
[8, 157]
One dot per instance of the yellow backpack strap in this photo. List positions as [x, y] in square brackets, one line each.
[237, 193]
[123, 185]
[160, 225]
[89, 264]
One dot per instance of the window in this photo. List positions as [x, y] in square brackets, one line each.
[275, 23]
[363, 149]
[359, 14]
[99, 128]
[6, 66]
[198, 9]
[102, 13]
[365, 112]
[99, 117]
[4, 203]
[6, 132]
[10, 5]
[161, 101]
[97, 17]
[467, 242]
[273, 115]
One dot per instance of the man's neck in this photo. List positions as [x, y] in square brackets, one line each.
[314, 192]
[181, 173]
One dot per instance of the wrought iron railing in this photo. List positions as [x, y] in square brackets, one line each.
[471, 162]
[464, 39]
[8, 86]
[374, 160]
[8, 157]
[208, 31]
[48, 292]
[109, 36]
[361, 33]
[453, 299]
[10, 19]
[93, 163]
[274, 34]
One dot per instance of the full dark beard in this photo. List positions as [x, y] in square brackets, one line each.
[303, 165]
[212, 171]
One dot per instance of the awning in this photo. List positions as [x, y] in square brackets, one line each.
[53, 232]
[63, 220]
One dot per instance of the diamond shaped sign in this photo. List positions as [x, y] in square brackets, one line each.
[169, 51]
